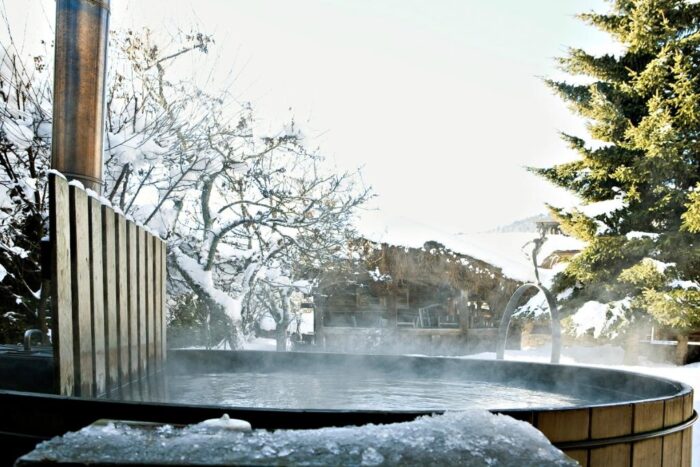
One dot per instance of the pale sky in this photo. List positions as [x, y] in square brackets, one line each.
[439, 101]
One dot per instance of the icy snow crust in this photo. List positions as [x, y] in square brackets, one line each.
[474, 437]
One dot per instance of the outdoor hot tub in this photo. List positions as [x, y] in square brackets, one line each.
[597, 416]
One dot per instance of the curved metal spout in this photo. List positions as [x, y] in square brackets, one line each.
[28, 338]
[508, 314]
[82, 28]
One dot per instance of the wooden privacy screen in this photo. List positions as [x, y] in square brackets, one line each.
[108, 295]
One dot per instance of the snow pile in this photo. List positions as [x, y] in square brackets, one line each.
[474, 437]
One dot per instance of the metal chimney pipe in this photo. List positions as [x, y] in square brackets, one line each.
[82, 28]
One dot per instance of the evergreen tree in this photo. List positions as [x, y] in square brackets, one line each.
[639, 173]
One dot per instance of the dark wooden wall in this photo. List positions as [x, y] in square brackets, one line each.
[108, 295]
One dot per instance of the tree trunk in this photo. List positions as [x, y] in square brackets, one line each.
[281, 337]
[632, 346]
[682, 350]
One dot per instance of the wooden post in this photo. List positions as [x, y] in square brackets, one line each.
[80, 285]
[163, 295]
[150, 302]
[142, 290]
[111, 301]
[122, 288]
[681, 349]
[133, 314]
[99, 357]
[61, 291]
[157, 308]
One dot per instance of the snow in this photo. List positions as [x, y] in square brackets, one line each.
[259, 343]
[473, 437]
[3, 272]
[676, 284]
[225, 423]
[635, 235]
[599, 316]
[603, 208]
[660, 266]
[77, 184]
[503, 250]
[204, 279]
[56, 173]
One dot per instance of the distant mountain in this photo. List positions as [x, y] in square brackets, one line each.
[529, 224]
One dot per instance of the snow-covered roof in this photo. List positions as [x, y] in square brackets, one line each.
[503, 250]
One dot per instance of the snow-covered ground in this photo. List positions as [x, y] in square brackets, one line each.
[612, 357]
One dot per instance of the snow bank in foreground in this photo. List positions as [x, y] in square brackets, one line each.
[474, 437]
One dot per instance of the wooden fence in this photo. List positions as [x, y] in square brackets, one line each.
[107, 297]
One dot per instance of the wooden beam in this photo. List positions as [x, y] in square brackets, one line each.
[163, 297]
[61, 292]
[157, 308]
[142, 313]
[150, 303]
[111, 300]
[132, 278]
[97, 297]
[122, 288]
[80, 282]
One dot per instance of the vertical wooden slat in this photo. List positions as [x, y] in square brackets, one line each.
[142, 317]
[687, 448]
[80, 281]
[647, 453]
[157, 302]
[672, 450]
[133, 319]
[61, 293]
[99, 358]
[672, 444]
[609, 422]
[109, 254]
[579, 455]
[122, 288]
[150, 295]
[163, 296]
[617, 454]
[564, 425]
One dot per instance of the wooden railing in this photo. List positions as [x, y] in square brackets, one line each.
[108, 295]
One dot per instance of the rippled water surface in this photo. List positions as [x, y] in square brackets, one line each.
[335, 391]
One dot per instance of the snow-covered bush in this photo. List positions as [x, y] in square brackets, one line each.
[25, 143]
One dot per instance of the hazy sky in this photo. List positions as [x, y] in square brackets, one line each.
[439, 101]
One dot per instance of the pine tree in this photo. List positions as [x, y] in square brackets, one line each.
[639, 172]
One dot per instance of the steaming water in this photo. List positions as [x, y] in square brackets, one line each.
[334, 391]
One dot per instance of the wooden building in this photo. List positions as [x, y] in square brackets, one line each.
[422, 300]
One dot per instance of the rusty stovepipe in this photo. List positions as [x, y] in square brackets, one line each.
[79, 89]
